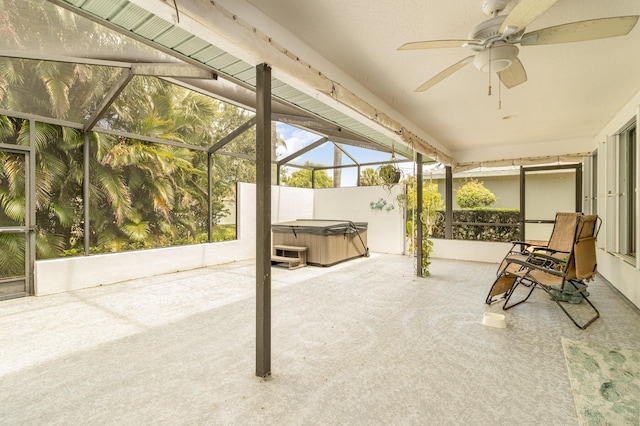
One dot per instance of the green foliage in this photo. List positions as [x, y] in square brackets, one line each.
[431, 198]
[302, 178]
[369, 177]
[484, 224]
[142, 195]
[430, 216]
[473, 194]
[389, 174]
[427, 248]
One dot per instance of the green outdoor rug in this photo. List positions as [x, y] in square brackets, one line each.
[605, 383]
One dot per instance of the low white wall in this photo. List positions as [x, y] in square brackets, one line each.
[385, 232]
[476, 251]
[60, 275]
[74, 273]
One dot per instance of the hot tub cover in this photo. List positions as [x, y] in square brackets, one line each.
[319, 227]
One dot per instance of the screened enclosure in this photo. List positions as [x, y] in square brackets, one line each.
[110, 145]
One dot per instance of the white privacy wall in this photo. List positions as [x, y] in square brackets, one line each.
[385, 233]
[290, 203]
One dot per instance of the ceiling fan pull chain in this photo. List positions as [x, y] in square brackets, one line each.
[499, 95]
[489, 71]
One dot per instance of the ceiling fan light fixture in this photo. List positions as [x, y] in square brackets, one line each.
[496, 58]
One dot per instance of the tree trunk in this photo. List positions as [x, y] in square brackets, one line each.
[274, 168]
[337, 161]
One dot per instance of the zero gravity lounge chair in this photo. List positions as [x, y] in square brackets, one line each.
[563, 279]
[559, 245]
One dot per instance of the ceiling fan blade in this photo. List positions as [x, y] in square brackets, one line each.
[434, 44]
[444, 74]
[513, 75]
[580, 31]
[524, 13]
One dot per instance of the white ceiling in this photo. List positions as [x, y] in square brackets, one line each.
[572, 91]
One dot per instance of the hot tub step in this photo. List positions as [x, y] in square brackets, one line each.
[291, 253]
[294, 262]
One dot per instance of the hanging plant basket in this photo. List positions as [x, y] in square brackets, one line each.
[390, 174]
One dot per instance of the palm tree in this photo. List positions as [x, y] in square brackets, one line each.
[142, 194]
[12, 213]
[369, 177]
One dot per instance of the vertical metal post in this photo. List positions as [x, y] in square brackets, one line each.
[30, 206]
[86, 191]
[448, 198]
[210, 197]
[420, 231]
[278, 174]
[579, 188]
[313, 178]
[522, 203]
[263, 220]
[358, 179]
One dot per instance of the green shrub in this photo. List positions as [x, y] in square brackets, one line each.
[483, 225]
[473, 194]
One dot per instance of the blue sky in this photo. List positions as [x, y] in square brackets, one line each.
[297, 139]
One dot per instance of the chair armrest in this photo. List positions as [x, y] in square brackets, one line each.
[527, 264]
[523, 246]
[537, 249]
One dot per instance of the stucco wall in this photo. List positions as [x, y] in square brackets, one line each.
[475, 251]
[385, 232]
[620, 273]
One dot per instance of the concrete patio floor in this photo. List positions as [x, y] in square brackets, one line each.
[363, 342]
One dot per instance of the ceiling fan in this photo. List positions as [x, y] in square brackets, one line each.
[495, 39]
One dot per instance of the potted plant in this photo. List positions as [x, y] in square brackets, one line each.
[390, 174]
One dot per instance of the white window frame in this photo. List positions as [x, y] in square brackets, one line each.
[613, 192]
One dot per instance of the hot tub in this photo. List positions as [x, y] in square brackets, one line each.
[327, 241]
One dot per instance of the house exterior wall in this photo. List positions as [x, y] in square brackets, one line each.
[506, 188]
[622, 274]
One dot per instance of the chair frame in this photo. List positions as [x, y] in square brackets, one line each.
[556, 267]
[522, 250]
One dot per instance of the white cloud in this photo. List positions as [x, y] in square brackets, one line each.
[294, 138]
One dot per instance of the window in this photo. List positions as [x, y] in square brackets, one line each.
[590, 184]
[628, 152]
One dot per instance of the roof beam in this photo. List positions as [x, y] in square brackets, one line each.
[172, 69]
[150, 139]
[231, 136]
[339, 146]
[346, 166]
[35, 56]
[334, 133]
[299, 152]
[317, 125]
[108, 99]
